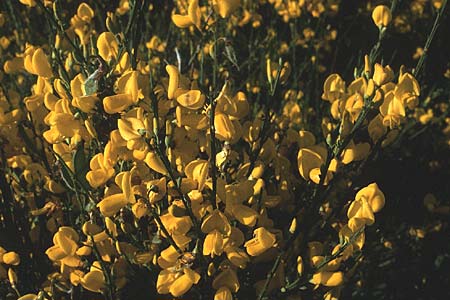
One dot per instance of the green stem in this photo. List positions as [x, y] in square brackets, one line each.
[437, 22]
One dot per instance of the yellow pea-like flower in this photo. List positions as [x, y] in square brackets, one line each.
[408, 90]
[55, 253]
[216, 221]
[192, 99]
[223, 293]
[174, 79]
[225, 129]
[93, 281]
[213, 244]
[360, 213]
[382, 75]
[117, 103]
[30, 3]
[300, 265]
[182, 21]
[12, 277]
[123, 179]
[328, 278]
[261, 242]
[374, 196]
[139, 209]
[13, 65]
[37, 64]
[355, 152]
[194, 13]
[308, 159]
[110, 205]
[67, 245]
[227, 278]
[333, 88]
[381, 15]
[11, 258]
[184, 283]
[198, 171]
[226, 7]
[237, 256]
[244, 214]
[193, 16]
[107, 45]
[155, 163]
[85, 12]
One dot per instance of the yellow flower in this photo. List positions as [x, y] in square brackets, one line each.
[36, 62]
[155, 163]
[13, 65]
[108, 47]
[174, 79]
[157, 189]
[223, 293]
[373, 195]
[382, 75]
[110, 205]
[101, 170]
[360, 213]
[310, 160]
[333, 88]
[407, 90]
[227, 130]
[392, 110]
[213, 244]
[376, 128]
[192, 99]
[176, 225]
[237, 256]
[226, 7]
[262, 241]
[11, 258]
[216, 221]
[94, 280]
[197, 170]
[85, 12]
[244, 214]
[355, 152]
[328, 278]
[65, 247]
[381, 16]
[227, 278]
[30, 3]
[192, 18]
[128, 93]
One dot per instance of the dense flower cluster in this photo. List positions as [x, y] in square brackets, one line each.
[131, 158]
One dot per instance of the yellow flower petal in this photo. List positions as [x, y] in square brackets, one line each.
[11, 258]
[85, 12]
[181, 21]
[93, 281]
[117, 103]
[328, 278]
[107, 45]
[192, 99]
[40, 64]
[194, 13]
[67, 245]
[227, 7]
[174, 78]
[213, 244]
[381, 15]
[155, 163]
[110, 205]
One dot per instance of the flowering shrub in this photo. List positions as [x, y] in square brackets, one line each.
[196, 149]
